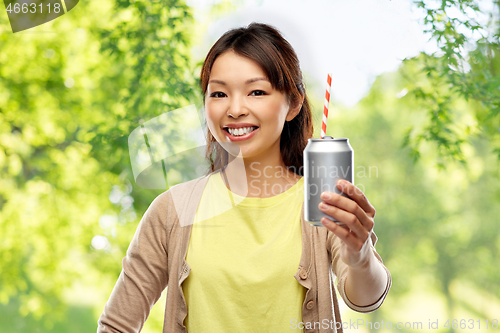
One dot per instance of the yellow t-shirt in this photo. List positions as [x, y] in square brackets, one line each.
[243, 262]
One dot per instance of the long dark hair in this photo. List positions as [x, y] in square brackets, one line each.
[265, 45]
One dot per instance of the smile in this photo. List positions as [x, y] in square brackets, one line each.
[246, 133]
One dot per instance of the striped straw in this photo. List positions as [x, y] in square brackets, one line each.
[325, 107]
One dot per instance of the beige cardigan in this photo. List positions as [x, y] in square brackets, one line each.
[156, 259]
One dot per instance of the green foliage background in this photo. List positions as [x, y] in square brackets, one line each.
[72, 90]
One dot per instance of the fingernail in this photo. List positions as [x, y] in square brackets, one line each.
[325, 195]
[325, 221]
[340, 182]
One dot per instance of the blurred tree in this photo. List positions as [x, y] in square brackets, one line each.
[71, 91]
[466, 66]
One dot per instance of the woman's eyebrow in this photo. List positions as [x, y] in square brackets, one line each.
[256, 79]
[217, 81]
[246, 82]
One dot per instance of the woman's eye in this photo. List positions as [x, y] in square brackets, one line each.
[217, 94]
[257, 93]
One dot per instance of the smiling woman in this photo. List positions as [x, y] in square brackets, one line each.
[251, 263]
[239, 98]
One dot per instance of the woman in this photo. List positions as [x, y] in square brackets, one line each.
[250, 263]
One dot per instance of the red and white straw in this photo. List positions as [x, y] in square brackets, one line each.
[325, 107]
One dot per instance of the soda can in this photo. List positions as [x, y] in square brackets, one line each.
[325, 162]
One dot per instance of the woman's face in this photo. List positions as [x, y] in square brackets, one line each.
[241, 100]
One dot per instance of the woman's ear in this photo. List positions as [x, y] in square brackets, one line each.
[294, 109]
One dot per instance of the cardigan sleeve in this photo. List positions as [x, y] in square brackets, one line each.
[340, 269]
[144, 275]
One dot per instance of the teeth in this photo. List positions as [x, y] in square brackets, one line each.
[240, 131]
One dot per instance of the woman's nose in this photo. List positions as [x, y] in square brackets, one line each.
[237, 108]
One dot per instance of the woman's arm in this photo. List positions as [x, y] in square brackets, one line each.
[367, 283]
[144, 275]
[365, 280]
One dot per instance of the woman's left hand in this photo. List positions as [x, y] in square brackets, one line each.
[357, 214]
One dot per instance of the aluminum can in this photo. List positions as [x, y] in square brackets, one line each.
[325, 161]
